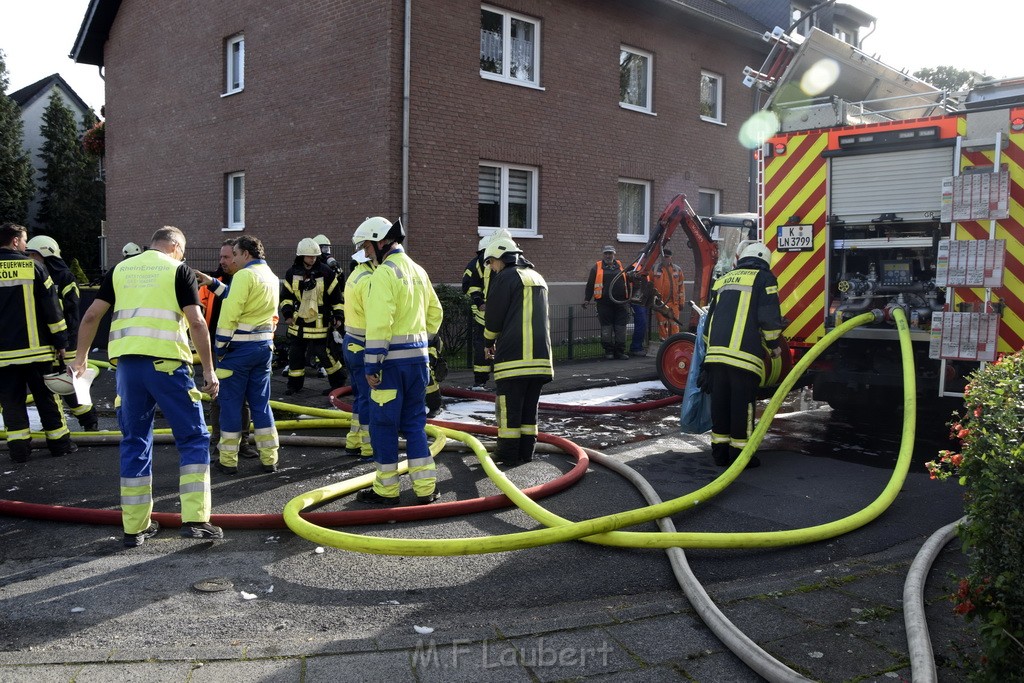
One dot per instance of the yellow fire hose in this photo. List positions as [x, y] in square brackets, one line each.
[560, 529]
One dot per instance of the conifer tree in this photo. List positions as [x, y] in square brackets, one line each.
[16, 186]
[72, 202]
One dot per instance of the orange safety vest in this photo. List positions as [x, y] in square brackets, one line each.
[599, 279]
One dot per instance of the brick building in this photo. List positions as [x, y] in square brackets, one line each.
[573, 122]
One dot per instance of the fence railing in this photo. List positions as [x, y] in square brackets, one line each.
[575, 334]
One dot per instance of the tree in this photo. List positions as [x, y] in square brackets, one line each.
[72, 205]
[16, 186]
[950, 78]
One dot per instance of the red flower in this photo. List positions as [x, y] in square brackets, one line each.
[956, 459]
[965, 607]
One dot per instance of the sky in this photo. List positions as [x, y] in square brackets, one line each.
[37, 36]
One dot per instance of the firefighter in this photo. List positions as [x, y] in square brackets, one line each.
[744, 321]
[311, 305]
[34, 336]
[519, 342]
[607, 286]
[212, 290]
[403, 314]
[155, 299]
[671, 288]
[357, 442]
[46, 252]
[475, 281]
[245, 349]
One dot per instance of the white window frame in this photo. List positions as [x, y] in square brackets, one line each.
[716, 194]
[648, 107]
[234, 222]
[506, 48]
[229, 69]
[643, 236]
[719, 98]
[503, 203]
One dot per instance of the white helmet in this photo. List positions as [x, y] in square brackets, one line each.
[484, 241]
[500, 246]
[41, 244]
[373, 229]
[307, 247]
[131, 249]
[756, 250]
[322, 241]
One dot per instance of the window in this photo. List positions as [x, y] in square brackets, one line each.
[507, 199]
[234, 50]
[634, 209]
[804, 21]
[708, 202]
[235, 201]
[710, 97]
[635, 79]
[844, 35]
[509, 47]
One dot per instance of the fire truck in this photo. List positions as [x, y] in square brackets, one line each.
[888, 193]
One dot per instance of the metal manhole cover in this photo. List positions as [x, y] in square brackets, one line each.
[216, 585]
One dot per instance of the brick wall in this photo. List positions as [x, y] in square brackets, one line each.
[317, 129]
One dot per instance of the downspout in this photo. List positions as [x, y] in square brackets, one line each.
[406, 69]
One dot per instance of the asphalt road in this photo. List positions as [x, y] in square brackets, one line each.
[70, 592]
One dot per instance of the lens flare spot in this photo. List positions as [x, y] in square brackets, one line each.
[820, 77]
[758, 128]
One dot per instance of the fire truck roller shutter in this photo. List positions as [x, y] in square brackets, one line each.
[907, 183]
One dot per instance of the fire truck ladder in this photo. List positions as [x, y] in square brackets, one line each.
[997, 146]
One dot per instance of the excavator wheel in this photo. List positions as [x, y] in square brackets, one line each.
[675, 357]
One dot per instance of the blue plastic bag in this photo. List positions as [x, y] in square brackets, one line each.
[695, 416]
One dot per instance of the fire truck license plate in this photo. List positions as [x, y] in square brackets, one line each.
[795, 238]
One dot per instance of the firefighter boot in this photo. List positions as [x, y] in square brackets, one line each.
[434, 403]
[62, 446]
[735, 453]
[89, 420]
[526, 446]
[507, 452]
[20, 449]
[246, 449]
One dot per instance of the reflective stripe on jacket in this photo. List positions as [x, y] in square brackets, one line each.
[33, 323]
[249, 314]
[402, 312]
[744, 318]
[517, 322]
[147, 320]
[355, 300]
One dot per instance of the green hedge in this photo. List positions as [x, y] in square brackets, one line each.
[991, 468]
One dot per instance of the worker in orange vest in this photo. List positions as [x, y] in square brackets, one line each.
[607, 286]
[668, 282]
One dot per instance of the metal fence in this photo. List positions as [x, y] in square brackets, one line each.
[575, 334]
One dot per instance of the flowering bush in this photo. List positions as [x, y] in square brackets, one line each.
[991, 468]
[93, 140]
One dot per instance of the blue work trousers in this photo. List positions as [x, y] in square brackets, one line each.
[397, 406]
[143, 383]
[354, 349]
[245, 374]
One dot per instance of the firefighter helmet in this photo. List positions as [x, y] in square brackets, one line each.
[131, 249]
[41, 244]
[500, 246]
[484, 241]
[307, 247]
[372, 229]
[756, 250]
[323, 243]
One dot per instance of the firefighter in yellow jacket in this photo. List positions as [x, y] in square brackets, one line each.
[403, 314]
[155, 300]
[358, 440]
[519, 341]
[34, 335]
[744, 322]
[245, 349]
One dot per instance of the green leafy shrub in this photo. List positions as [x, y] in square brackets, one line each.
[455, 328]
[991, 468]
